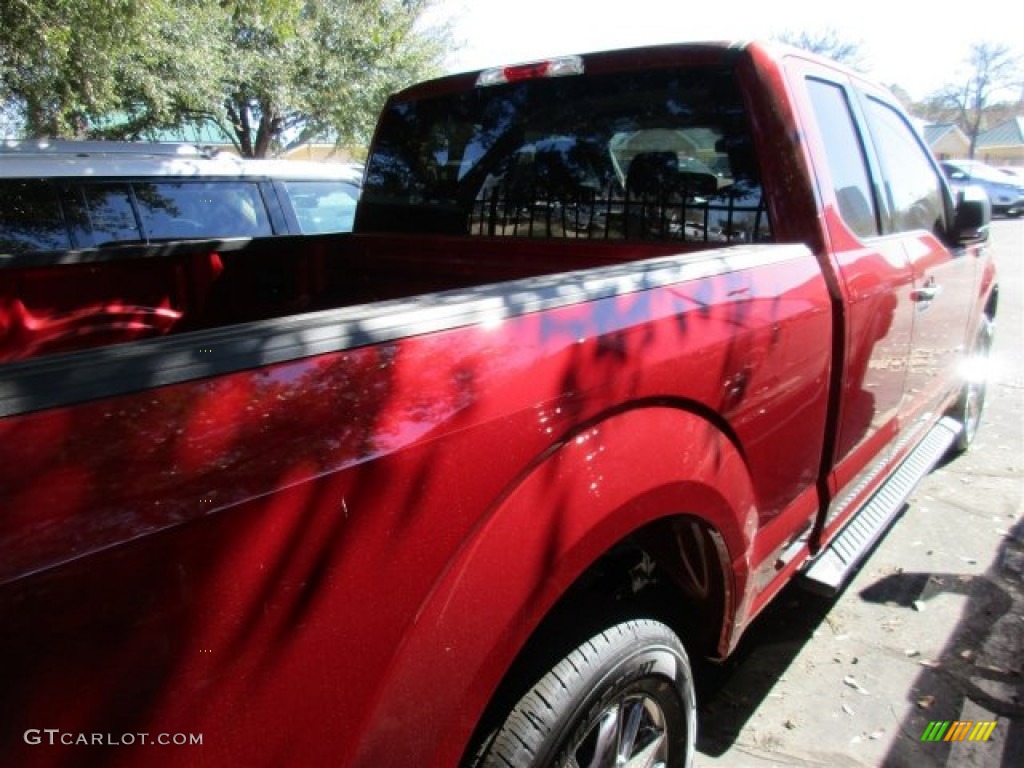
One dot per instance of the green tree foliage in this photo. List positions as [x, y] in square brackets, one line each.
[69, 63]
[268, 73]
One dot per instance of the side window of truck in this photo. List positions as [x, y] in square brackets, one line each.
[323, 206]
[912, 187]
[847, 168]
[103, 214]
[30, 217]
[191, 209]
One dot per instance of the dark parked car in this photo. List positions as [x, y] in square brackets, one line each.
[1004, 192]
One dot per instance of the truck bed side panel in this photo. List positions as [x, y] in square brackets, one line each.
[175, 558]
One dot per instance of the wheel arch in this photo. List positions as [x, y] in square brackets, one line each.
[992, 304]
[656, 481]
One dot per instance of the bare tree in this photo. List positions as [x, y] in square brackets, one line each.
[826, 42]
[993, 68]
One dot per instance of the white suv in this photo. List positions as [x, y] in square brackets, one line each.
[75, 195]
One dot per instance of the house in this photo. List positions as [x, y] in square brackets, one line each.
[946, 140]
[215, 139]
[321, 151]
[1003, 144]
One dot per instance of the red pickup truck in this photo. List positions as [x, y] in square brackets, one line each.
[621, 344]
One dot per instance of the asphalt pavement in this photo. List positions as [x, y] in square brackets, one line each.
[928, 635]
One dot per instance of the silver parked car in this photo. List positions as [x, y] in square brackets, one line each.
[79, 195]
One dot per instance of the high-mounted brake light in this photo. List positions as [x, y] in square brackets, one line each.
[563, 65]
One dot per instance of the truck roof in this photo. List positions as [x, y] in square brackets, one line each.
[694, 53]
[698, 53]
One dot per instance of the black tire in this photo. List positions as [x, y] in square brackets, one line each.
[971, 401]
[627, 692]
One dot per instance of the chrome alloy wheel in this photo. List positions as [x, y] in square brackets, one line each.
[630, 732]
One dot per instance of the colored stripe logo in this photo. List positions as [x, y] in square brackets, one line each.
[958, 730]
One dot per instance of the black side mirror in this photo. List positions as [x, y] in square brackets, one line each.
[973, 216]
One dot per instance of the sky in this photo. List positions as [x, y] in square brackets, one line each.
[918, 46]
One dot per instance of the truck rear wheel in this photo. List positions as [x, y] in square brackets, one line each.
[969, 405]
[623, 697]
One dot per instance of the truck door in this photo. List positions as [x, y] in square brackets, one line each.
[876, 282]
[917, 210]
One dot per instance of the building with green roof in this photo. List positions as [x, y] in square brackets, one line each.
[1003, 144]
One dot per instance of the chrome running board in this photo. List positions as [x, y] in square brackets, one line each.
[829, 571]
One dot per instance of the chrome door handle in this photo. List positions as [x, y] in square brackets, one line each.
[927, 292]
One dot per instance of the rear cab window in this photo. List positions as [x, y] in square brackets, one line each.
[663, 155]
